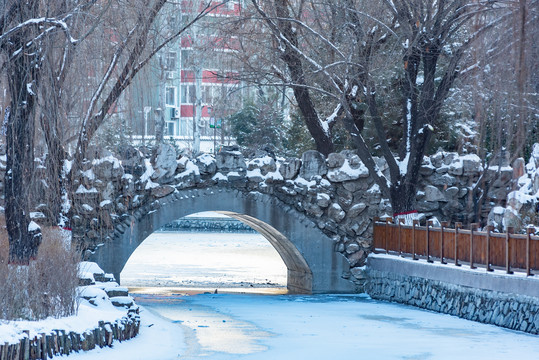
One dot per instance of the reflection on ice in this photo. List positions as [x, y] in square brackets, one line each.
[207, 331]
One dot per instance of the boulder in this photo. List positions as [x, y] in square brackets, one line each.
[289, 169]
[336, 213]
[162, 191]
[230, 159]
[351, 169]
[426, 206]
[132, 161]
[472, 165]
[207, 165]
[164, 163]
[323, 200]
[451, 192]
[356, 209]
[313, 163]
[432, 193]
[107, 169]
[266, 165]
[335, 160]
[438, 179]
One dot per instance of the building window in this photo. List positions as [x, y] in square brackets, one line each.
[170, 96]
[188, 94]
[171, 128]
[170, 60]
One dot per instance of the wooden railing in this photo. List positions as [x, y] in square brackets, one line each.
[457, 245]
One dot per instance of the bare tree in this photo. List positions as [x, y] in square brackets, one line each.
[37, 43]
[347, 50]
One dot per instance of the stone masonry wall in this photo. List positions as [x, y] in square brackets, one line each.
[512, 311]
[336, 192]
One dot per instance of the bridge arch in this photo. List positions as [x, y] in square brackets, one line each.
[309, 255]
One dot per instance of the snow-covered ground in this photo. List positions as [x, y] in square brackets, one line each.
[286, 327]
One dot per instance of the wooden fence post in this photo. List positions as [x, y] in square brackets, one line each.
[528, 248]
[414, 224]
[400, 222]
[458, 225]
[473, 226]
[444, 224]
[508, 250]
[429, 224]
[489, 229]
[388, 221]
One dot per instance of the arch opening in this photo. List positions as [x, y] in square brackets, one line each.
[198, 258]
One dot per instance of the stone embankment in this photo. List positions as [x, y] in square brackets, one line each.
[96, 288]
[507, 301]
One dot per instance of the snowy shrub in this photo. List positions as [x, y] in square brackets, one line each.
[47, 287]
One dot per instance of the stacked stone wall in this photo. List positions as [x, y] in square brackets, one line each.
[512, 311]
[336, 193]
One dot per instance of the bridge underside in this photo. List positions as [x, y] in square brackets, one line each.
[299, 278]
[309, 255]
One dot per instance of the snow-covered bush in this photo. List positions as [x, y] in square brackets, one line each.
[45, 288]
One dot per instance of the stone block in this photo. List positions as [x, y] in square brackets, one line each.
[313, 163]
[289, 169]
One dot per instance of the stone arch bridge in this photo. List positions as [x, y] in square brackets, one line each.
[317, 212]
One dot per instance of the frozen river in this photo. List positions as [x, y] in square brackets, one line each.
[176, 276]
[326, 327]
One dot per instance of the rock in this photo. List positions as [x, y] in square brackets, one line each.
[345, 197]
[510, 219]
[335, 160]
[313, 209]
[471, 165]
[132, 161]
[426, 206]
[336, 213]
[438, 179]
[426, 169]
[164, 163]
[313, 163]
[207, 165]
[433, 194]
[497, 194]
[452, 207]
[230, 159]
[499, 177]
[518, 168]
[352, 247]
[107, 169]
[356, 185]
[451, 193]
[289, 169]
[355, 258]
[265, 164]
[323, 200]
[162, 191]
[495, 217]
[356, 209]
[348, 171]
[361, 226]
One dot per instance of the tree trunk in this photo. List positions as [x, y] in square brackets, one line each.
[22, 73]
[20, 167]
[403, 201]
